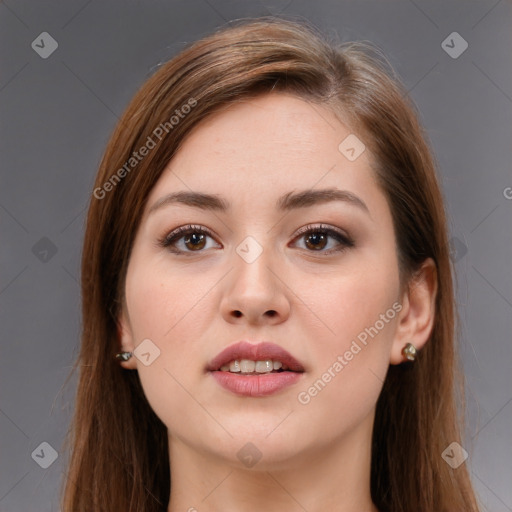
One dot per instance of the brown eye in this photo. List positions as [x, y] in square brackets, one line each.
[317, 238]
[186, 239]
[196, 240]
[316, 241]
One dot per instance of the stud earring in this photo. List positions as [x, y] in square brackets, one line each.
[409, 352]
[123, 356]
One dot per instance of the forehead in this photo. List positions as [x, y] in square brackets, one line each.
[263, 147]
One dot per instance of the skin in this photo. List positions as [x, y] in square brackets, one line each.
[314, 456]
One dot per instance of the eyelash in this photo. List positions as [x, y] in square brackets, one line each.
[169, 240]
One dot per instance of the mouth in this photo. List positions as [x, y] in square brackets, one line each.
[255, 370]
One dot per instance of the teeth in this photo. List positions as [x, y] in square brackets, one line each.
[264, 366]
[248, 366]
[234, 366]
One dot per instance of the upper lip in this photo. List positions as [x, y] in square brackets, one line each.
[255, 352]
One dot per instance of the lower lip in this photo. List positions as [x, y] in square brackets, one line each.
[256, 385]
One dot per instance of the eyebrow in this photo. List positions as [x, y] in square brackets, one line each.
[287, 202]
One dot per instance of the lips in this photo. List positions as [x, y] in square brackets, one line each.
[255, 352]
[255, 385]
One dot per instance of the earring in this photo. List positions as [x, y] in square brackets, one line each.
[123, 356]
[410, 352]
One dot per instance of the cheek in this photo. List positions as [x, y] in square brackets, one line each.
[169, 310]
[159, 303]
[352, 305]
[163, 309]
[358, 314]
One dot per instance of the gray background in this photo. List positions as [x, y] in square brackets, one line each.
[56, 117]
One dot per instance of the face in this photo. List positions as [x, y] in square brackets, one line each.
[318, 279]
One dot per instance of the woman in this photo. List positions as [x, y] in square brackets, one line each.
[268, 308]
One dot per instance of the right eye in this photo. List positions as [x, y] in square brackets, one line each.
[194, 239]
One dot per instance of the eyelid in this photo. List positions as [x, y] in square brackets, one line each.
[189, 228]
[323, 227]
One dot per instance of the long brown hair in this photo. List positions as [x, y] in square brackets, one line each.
[119, 453]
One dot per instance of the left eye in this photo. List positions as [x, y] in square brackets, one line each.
[316, 239]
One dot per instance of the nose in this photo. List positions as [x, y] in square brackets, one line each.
[255, 294]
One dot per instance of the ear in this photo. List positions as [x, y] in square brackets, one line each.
[125, 338]
[416, 319]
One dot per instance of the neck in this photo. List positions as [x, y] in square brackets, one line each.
[334, 477]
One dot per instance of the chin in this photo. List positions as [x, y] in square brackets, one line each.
[263, 448]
